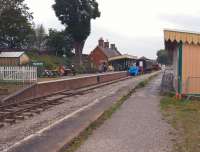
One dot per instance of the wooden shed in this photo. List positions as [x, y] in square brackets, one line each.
[13, 58]
[184, 50]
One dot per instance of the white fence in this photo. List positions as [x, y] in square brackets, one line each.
[25, 74]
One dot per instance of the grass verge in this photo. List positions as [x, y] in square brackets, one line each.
[83, 136]
[10, 87]
[184, 116]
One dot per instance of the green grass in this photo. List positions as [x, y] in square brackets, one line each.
[50, 61]
[10, 87]
[145, 82]
[184, 116]
[78, 141]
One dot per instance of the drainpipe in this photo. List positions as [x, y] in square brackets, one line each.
[180, 62]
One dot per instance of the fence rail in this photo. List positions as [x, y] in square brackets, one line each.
[24, 74]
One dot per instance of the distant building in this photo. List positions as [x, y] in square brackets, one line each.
[103, 52]
[13, 58]
[145, 64]
[122, 62]
[184, 50]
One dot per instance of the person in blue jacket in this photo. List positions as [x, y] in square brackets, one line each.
[133, 70]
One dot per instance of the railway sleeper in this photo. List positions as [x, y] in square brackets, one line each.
[37, 111]
[28, 114]
[12, 109]
[1, 125]
[54, 98]
[10, 121]
[19, 117]
[54, 103]
[26, 105]
[4, 112]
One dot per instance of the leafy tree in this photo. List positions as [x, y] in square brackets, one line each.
[59, 42]
[15, 26]
[40, 37]
[76, 15]
[163, 57]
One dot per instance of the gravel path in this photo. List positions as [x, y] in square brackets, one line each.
[136, 127]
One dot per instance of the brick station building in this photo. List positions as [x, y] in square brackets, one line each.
[103, 52]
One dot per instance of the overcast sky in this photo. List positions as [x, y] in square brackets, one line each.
[136, 26]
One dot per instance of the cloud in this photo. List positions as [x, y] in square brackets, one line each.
[185, 22]
[139, 46]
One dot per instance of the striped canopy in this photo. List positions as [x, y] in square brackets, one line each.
[182, 36]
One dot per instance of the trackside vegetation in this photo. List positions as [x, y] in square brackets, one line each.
[184, 116]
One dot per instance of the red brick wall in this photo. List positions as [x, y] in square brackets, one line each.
[48, 88]
[97, 56]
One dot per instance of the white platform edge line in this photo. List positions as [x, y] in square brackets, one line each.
[54, 124]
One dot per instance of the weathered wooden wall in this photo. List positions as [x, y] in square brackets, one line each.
[9, 61]
[191, 69]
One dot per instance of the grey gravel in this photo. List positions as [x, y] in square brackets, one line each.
[136, 127]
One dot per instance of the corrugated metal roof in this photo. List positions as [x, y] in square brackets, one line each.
[184, 36]
[126, 56]
[10, 54]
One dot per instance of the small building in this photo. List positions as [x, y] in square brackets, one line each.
[184, 50]
[13, 58]
[103, 52]
[122, 62]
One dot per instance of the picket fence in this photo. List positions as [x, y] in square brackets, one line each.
[22, 74]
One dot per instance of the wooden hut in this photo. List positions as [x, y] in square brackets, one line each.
[184, 50]
[13, 58]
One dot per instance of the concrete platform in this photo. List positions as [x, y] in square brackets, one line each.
[136, 127]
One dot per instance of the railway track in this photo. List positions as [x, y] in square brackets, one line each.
[16, 112]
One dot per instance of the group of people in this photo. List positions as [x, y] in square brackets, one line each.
[105, 68]
[134, 70]
[64, 71]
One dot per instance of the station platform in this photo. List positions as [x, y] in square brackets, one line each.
[53, 129]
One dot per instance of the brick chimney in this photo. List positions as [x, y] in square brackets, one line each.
[101, 42]
[112, 46]
[106, 44]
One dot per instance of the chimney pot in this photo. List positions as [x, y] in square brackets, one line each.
[112, 46]
[106, 44]
[101, 42]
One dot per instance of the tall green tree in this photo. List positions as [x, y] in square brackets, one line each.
[59, 42]
[163, 57]
[76, 15]
[15, 24]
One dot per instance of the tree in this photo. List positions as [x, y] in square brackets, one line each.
[163, 57]
[60, 42]
[15, 26]
[40, 37]
[76, 15]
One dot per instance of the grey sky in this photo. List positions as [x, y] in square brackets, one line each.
[135, 26]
